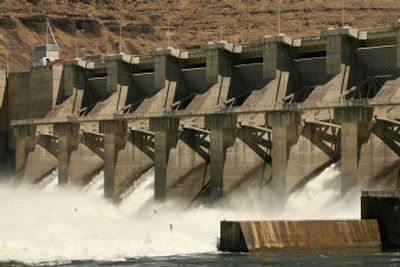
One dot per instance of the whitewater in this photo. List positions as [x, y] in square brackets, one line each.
[45, 223]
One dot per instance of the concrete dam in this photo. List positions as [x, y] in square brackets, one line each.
[212, 120]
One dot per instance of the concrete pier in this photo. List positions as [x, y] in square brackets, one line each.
[115, 134]
[68, 138]
[285, 131]
[165, 138]
[356, 123]
[222, 128]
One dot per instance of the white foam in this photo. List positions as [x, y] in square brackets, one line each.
[65, 224]
[50, 182]
[95, 186]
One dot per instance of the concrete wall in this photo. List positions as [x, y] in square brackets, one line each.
[266, 235]
[42, 158]
[382, 206]
[127, 157]
[33, 94]
[379, 163]
[314, 150]
[188, 172]
[245, 168]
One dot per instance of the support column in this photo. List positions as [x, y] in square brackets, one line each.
[285, 126]
[211, 63]
[270, 57]
[118, 80]
[333, 52]
[355, 130]
[114, 140]
[166, 136]
[219, 61]
[68, 138]
[160, 58]
[222, 135]
[24, 140]
[74, 83]
[168, 75]
[339, 50]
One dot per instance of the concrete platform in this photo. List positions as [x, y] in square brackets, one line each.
[249, 236]
[384, 207]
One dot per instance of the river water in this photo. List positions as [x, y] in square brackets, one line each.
[47, 226]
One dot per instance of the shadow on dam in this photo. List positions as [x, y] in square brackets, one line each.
[49, 223]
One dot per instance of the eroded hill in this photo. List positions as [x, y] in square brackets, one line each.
[147, 24]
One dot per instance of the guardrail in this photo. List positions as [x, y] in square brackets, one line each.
[365, 102]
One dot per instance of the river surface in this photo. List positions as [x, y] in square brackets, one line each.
[44, 225]
[337, 258]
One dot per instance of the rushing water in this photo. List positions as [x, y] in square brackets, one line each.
[46, 225]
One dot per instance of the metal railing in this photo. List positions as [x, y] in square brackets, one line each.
[365, 102]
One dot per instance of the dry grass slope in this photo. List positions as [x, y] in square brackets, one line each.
[146, 23]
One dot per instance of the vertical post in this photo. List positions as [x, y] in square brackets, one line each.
[166, 131]
[342, 12]
[114, 139]
[284, 133]
[120, 39]
[222, 127]
[355, 123]
[68, 135]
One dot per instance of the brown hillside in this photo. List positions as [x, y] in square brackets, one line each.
[145, 23]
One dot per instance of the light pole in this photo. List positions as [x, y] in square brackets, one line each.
[107, 49]
[279, 17]
[76, 42]
[7, 52]
[120, 38]
[168, 34]
[342, 12]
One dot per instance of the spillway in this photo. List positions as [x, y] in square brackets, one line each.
[63, 224]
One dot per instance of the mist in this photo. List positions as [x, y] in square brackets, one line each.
[45, 223]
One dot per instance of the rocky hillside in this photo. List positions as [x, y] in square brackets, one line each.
[147, 24]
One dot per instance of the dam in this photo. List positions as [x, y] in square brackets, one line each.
[212, 120]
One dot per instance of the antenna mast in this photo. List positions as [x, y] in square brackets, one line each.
[48, 27]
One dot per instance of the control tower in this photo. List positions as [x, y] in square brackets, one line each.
[46, 53]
